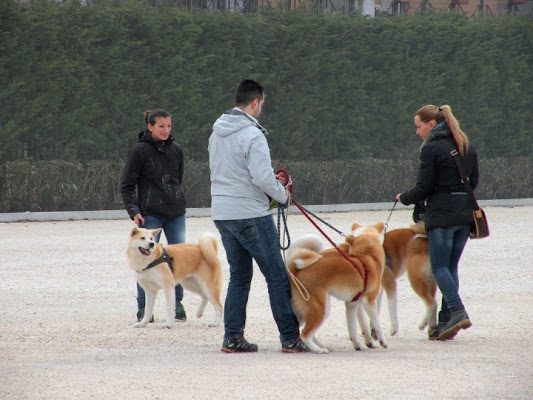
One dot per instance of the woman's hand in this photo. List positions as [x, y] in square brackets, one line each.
[138, 219]
[398, 198]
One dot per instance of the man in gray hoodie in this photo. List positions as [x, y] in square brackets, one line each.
[242, 186]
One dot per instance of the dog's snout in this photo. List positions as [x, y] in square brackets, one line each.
[151, 244]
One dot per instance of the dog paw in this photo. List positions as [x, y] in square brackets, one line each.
[383, 344]
[393, 332]
[139, 325]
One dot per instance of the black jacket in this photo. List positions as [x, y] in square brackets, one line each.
[156, 170]
[439, 182]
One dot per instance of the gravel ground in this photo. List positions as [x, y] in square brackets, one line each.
[68, 309]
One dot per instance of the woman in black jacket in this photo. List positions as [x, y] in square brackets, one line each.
[151, 188]
[448, 214]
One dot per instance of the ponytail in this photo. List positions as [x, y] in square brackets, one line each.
[444, 113]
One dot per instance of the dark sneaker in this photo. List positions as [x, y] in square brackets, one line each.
[458, 320]
[140, 315]
[294, 346]
[180, 313]
[239, 345]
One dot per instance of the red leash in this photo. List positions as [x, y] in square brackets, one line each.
[288, 184]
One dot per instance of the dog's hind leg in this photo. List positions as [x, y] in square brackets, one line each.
[214, 299]
[424, 285]
[379, 301]
[313, 319]
[368, 334]
[392, 302]
[351, 321]
[372, 312]
[207, 298]
[208, 295]
[430, 317]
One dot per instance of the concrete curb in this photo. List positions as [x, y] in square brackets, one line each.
[206, 212]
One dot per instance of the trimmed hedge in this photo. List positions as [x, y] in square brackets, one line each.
[75, 79]
[71, 186]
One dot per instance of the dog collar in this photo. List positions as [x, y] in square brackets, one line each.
[165, 258]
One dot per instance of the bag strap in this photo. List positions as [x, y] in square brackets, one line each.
[464, 178]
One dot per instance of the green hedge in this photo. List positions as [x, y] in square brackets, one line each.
[75, 79]
[70, 186]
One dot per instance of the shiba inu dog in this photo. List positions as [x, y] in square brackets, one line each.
[318, 274]
[195, 266]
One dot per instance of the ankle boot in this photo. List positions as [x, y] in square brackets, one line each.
[458, 320]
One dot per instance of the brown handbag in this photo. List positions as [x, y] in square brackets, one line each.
[480, 227]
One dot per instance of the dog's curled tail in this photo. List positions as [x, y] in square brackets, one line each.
[303, 258]
[209, 246]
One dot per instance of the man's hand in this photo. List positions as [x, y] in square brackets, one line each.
[281, 179]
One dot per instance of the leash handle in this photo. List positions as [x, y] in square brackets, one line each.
[287, 181]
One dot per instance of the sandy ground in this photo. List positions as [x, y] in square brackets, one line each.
[68, 309]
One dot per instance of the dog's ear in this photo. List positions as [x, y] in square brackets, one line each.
[134, 231]
[355, 226]
[157, 231]
[380, 226]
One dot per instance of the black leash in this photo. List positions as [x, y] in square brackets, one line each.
[324, 222]
[281, 214]
[388, 219]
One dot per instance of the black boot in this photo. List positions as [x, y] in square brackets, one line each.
[458, 320]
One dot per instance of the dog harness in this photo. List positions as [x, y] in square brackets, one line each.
[165, 258]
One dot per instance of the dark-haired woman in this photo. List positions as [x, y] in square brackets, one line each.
[448, 214]
[151, 188]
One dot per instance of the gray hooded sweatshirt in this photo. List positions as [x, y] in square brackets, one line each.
[242, 178]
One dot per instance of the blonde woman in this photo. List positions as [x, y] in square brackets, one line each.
[448, 214]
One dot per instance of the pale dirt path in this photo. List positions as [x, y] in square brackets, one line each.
[68, 308]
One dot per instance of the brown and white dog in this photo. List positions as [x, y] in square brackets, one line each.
[195, 266]
[323, 273]
[406, 249]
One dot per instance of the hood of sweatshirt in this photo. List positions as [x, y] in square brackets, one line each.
[233, 121]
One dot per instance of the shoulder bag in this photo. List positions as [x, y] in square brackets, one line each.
[480, 227]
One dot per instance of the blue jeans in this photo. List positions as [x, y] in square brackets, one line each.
[256, 239]
[445, 248]
[175, 233]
